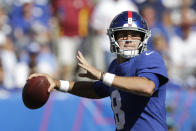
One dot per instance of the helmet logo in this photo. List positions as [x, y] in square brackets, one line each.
[130, 21]
[130, 18]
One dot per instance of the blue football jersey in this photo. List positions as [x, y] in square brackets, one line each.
[134, 112]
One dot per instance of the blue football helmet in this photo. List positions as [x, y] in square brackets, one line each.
[129, 21]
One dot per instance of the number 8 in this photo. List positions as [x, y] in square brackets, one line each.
[119, 114]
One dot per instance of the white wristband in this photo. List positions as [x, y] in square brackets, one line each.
[64, 86]
[108, 79]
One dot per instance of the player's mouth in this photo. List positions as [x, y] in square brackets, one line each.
[129, 46]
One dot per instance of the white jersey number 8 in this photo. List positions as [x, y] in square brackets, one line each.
[119, 114]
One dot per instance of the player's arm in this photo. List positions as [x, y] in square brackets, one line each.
[81, 88]
[137, 85]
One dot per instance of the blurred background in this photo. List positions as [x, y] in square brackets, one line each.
[44, 36]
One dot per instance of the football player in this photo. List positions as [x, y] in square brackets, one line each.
[135, 80]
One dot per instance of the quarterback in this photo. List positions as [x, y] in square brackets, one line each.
[135, 80]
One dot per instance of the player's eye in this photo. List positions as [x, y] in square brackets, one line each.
[124, 34]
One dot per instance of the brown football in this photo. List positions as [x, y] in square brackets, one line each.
[35, 92]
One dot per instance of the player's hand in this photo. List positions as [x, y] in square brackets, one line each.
[92, 72]
[53, 82]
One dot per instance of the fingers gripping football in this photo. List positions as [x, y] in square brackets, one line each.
[51, 80]
[92, 72]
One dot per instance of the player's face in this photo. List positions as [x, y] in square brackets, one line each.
[128, 40]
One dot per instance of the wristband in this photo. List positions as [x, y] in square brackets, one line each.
[108, 79]
[64, 86]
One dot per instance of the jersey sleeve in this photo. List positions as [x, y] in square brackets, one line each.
[151, 77]
[152, 62]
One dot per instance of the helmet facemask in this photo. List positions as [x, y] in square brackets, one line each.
[125, 52]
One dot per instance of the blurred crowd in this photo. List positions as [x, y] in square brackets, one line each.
[44, 36]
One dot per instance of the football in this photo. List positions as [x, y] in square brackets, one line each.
[35, 92]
